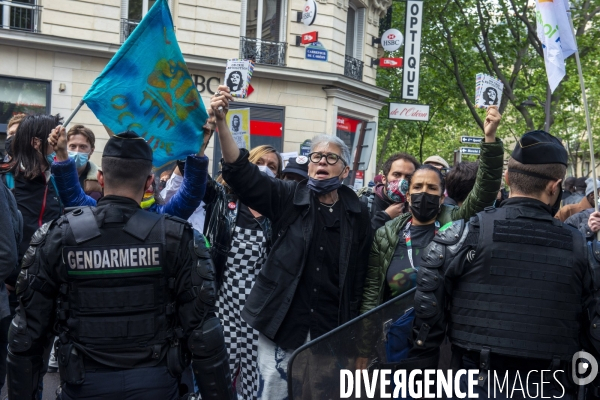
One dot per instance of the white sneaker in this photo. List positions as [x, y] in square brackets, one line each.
[52, 362]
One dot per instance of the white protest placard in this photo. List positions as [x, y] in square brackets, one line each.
[238, 74]
[488, 91]
[412, 50]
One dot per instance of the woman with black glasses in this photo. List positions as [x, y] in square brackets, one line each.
[312, 279]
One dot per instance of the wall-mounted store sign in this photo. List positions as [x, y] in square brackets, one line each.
[410, 112]
[391, 40]
[412, 50]
[204, 83]
[310, 37]
[309, 13]
[317, 52]
[391, 62]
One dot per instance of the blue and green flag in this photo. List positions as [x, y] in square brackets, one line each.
[147, 88]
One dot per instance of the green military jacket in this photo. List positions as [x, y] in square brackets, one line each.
[487, 185]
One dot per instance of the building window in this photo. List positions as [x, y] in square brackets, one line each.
[23, 15]
[132, 12]
[355, 38]
[263, 31]
[22, 96]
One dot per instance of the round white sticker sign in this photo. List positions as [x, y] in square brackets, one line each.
[309, 12]
[301, 160]
[391, 40]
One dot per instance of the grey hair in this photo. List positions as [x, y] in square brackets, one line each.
[329, 139]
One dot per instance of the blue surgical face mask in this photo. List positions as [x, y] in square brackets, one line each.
[80, 158]
[324, 186]
[50, 157]
[266, 170]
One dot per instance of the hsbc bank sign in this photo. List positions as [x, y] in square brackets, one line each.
[409, 112]
[391, 40]
[309, 12]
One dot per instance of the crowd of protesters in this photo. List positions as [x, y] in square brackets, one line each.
[297, 253]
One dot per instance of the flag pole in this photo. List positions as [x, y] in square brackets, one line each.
[68, 120]
[547, 108]
[587, 117]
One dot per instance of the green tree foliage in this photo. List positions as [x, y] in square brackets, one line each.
[464, 37]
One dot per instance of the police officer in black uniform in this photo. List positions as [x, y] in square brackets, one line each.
[519, 294]
[129, 293]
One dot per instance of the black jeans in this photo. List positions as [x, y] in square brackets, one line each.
[131, 384]
[4, 325]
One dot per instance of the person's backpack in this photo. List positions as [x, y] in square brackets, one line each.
[369, 194]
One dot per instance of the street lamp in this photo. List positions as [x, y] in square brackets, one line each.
[546, 104]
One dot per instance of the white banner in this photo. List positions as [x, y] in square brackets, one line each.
[557, 39]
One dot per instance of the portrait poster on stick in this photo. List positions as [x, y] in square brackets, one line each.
[238, 75]
[239, 125]
[488, 91]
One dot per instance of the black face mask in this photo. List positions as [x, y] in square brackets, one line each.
[7, 145]
[424, 206]
[556, 206]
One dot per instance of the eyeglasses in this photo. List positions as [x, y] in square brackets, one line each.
[331, 158]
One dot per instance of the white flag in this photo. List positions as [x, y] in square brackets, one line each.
[554, 31]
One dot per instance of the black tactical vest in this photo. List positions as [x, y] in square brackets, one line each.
[522, 293]
[119, 296]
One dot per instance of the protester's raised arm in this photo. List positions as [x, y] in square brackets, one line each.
[58, 141]
[191, 192]
[67, 182]
[489, 175]
[220, 105]
[490, 126]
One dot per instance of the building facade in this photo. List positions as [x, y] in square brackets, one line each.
[52, 50]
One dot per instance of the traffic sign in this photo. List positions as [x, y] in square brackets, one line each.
[475, 151]
[310, 37]
[471, 139]
[391, 62]
[317, 52]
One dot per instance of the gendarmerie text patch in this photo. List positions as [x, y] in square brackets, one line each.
[111, 260]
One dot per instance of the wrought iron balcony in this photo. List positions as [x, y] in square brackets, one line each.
[20, 16]
[353, 68]
[127, 27]
[263, 51]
